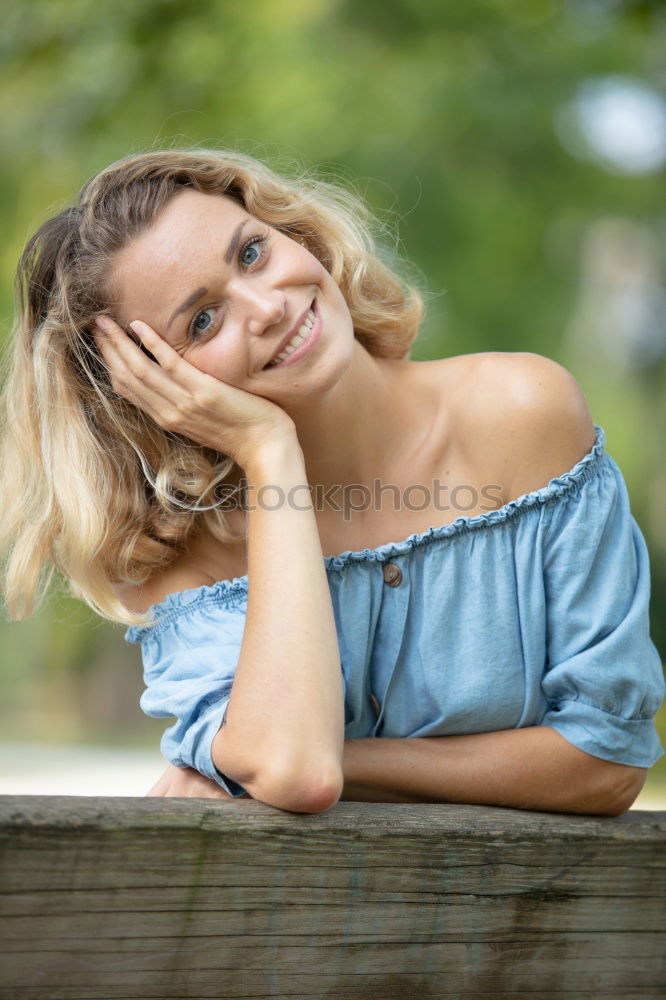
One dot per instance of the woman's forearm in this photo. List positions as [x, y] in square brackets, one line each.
[284, 728]
[530, 768]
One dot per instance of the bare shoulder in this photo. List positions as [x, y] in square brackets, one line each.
[526, 416]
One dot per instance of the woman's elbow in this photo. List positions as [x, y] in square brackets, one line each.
[627, 789]
[618, 792]
[299, 790]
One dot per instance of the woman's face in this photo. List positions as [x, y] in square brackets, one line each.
[226, 291]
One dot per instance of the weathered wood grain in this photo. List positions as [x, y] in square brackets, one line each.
[160, 898]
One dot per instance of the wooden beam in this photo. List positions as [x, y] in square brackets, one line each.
[119, 898]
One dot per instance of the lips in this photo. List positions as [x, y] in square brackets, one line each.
[292, 333]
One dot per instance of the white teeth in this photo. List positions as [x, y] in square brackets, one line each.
[296, 340]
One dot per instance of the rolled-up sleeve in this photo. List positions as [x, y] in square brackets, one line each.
[190, 659]
[603, 679]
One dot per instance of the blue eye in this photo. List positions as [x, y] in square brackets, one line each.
[199, 324]
[252, 251]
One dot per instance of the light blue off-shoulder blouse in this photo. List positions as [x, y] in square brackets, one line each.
[535, 614]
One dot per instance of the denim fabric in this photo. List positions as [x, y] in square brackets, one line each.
[533, 614]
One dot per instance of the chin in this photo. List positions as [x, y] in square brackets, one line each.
[310, 385]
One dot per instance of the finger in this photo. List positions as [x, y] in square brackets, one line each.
[134, 376]
[208, 793]
[165, 780]
[155, 792]
[166, 357]
[169, 373]
[190, 783]
[136, 390]
[114, 342]
[209, 789]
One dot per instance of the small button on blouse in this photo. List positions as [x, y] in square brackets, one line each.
[392, 574]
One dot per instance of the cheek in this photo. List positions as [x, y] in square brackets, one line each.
[221, 360]
[336, 297]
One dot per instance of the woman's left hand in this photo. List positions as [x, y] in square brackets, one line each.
[186, 783]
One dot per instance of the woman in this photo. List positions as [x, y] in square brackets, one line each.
[440, 554]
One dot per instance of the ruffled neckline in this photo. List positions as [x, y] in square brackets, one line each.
[233, 593]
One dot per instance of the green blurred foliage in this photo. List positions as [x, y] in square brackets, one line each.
[443, 116]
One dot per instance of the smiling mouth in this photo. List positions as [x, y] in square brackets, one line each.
[299, 338]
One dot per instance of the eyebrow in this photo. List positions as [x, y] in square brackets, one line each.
[189, 301]
[200, 292]
[235, 240]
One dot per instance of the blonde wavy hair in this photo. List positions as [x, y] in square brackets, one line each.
[90, 486]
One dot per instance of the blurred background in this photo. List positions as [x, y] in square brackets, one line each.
[515, 151]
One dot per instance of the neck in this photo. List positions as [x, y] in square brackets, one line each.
[362, 427]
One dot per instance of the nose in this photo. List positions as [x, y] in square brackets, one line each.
[261, 307]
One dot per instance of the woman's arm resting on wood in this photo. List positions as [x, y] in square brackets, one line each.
[283, 736]
[530, 768]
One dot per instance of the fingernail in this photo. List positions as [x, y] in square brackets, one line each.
[104, 323]
[136, 326]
